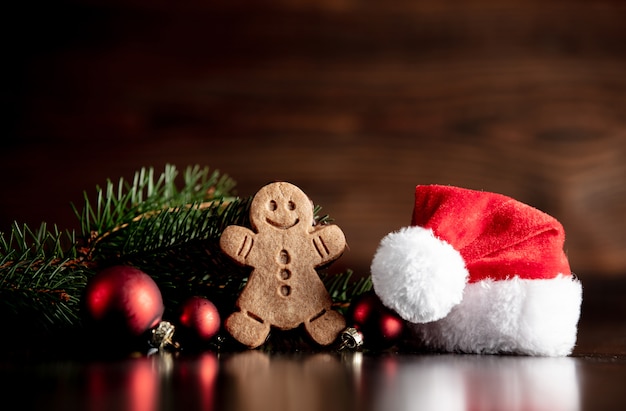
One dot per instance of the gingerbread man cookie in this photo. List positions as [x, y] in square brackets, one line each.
[284, 248]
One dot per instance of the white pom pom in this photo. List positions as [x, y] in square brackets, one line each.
[418, 275]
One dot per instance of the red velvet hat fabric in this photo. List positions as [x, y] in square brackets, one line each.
[497, 236]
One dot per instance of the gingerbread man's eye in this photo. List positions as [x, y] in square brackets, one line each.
[272, 205]
[291, 205]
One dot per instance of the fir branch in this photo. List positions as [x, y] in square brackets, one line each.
[169, 232]
[179, 248]
[343, 288]
[40, 277]
[320, 219]
[43, 271]
[121, 203]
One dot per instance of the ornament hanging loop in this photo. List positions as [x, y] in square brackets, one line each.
[351, 339]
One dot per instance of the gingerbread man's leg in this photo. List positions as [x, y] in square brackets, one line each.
[325, 326]
[247, 328]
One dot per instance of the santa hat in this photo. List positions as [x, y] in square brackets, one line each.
[471, 254]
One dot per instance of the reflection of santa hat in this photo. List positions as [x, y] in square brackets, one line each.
[481, 260]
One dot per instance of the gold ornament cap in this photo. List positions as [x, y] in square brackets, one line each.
[351, 338]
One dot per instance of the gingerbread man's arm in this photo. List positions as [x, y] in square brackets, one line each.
[237, 242]
[329, 242]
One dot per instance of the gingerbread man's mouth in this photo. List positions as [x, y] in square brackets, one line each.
[282, 226]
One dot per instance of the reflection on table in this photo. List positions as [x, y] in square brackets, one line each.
[256, 380]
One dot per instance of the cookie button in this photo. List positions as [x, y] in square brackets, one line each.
[284, 257]
[285, 290]
[284, 274]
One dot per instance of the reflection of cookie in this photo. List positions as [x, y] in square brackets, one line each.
[284, 248]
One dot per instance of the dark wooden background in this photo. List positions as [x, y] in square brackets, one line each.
[355, 101]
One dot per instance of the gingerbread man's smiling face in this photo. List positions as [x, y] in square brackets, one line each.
[281, 205]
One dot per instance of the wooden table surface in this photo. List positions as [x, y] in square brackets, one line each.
[256, 380]
[592, 378]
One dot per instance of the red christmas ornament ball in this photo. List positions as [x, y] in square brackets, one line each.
[391, 325]
[200, 317]
[381, 327]
[123, 300]
[363, 309]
